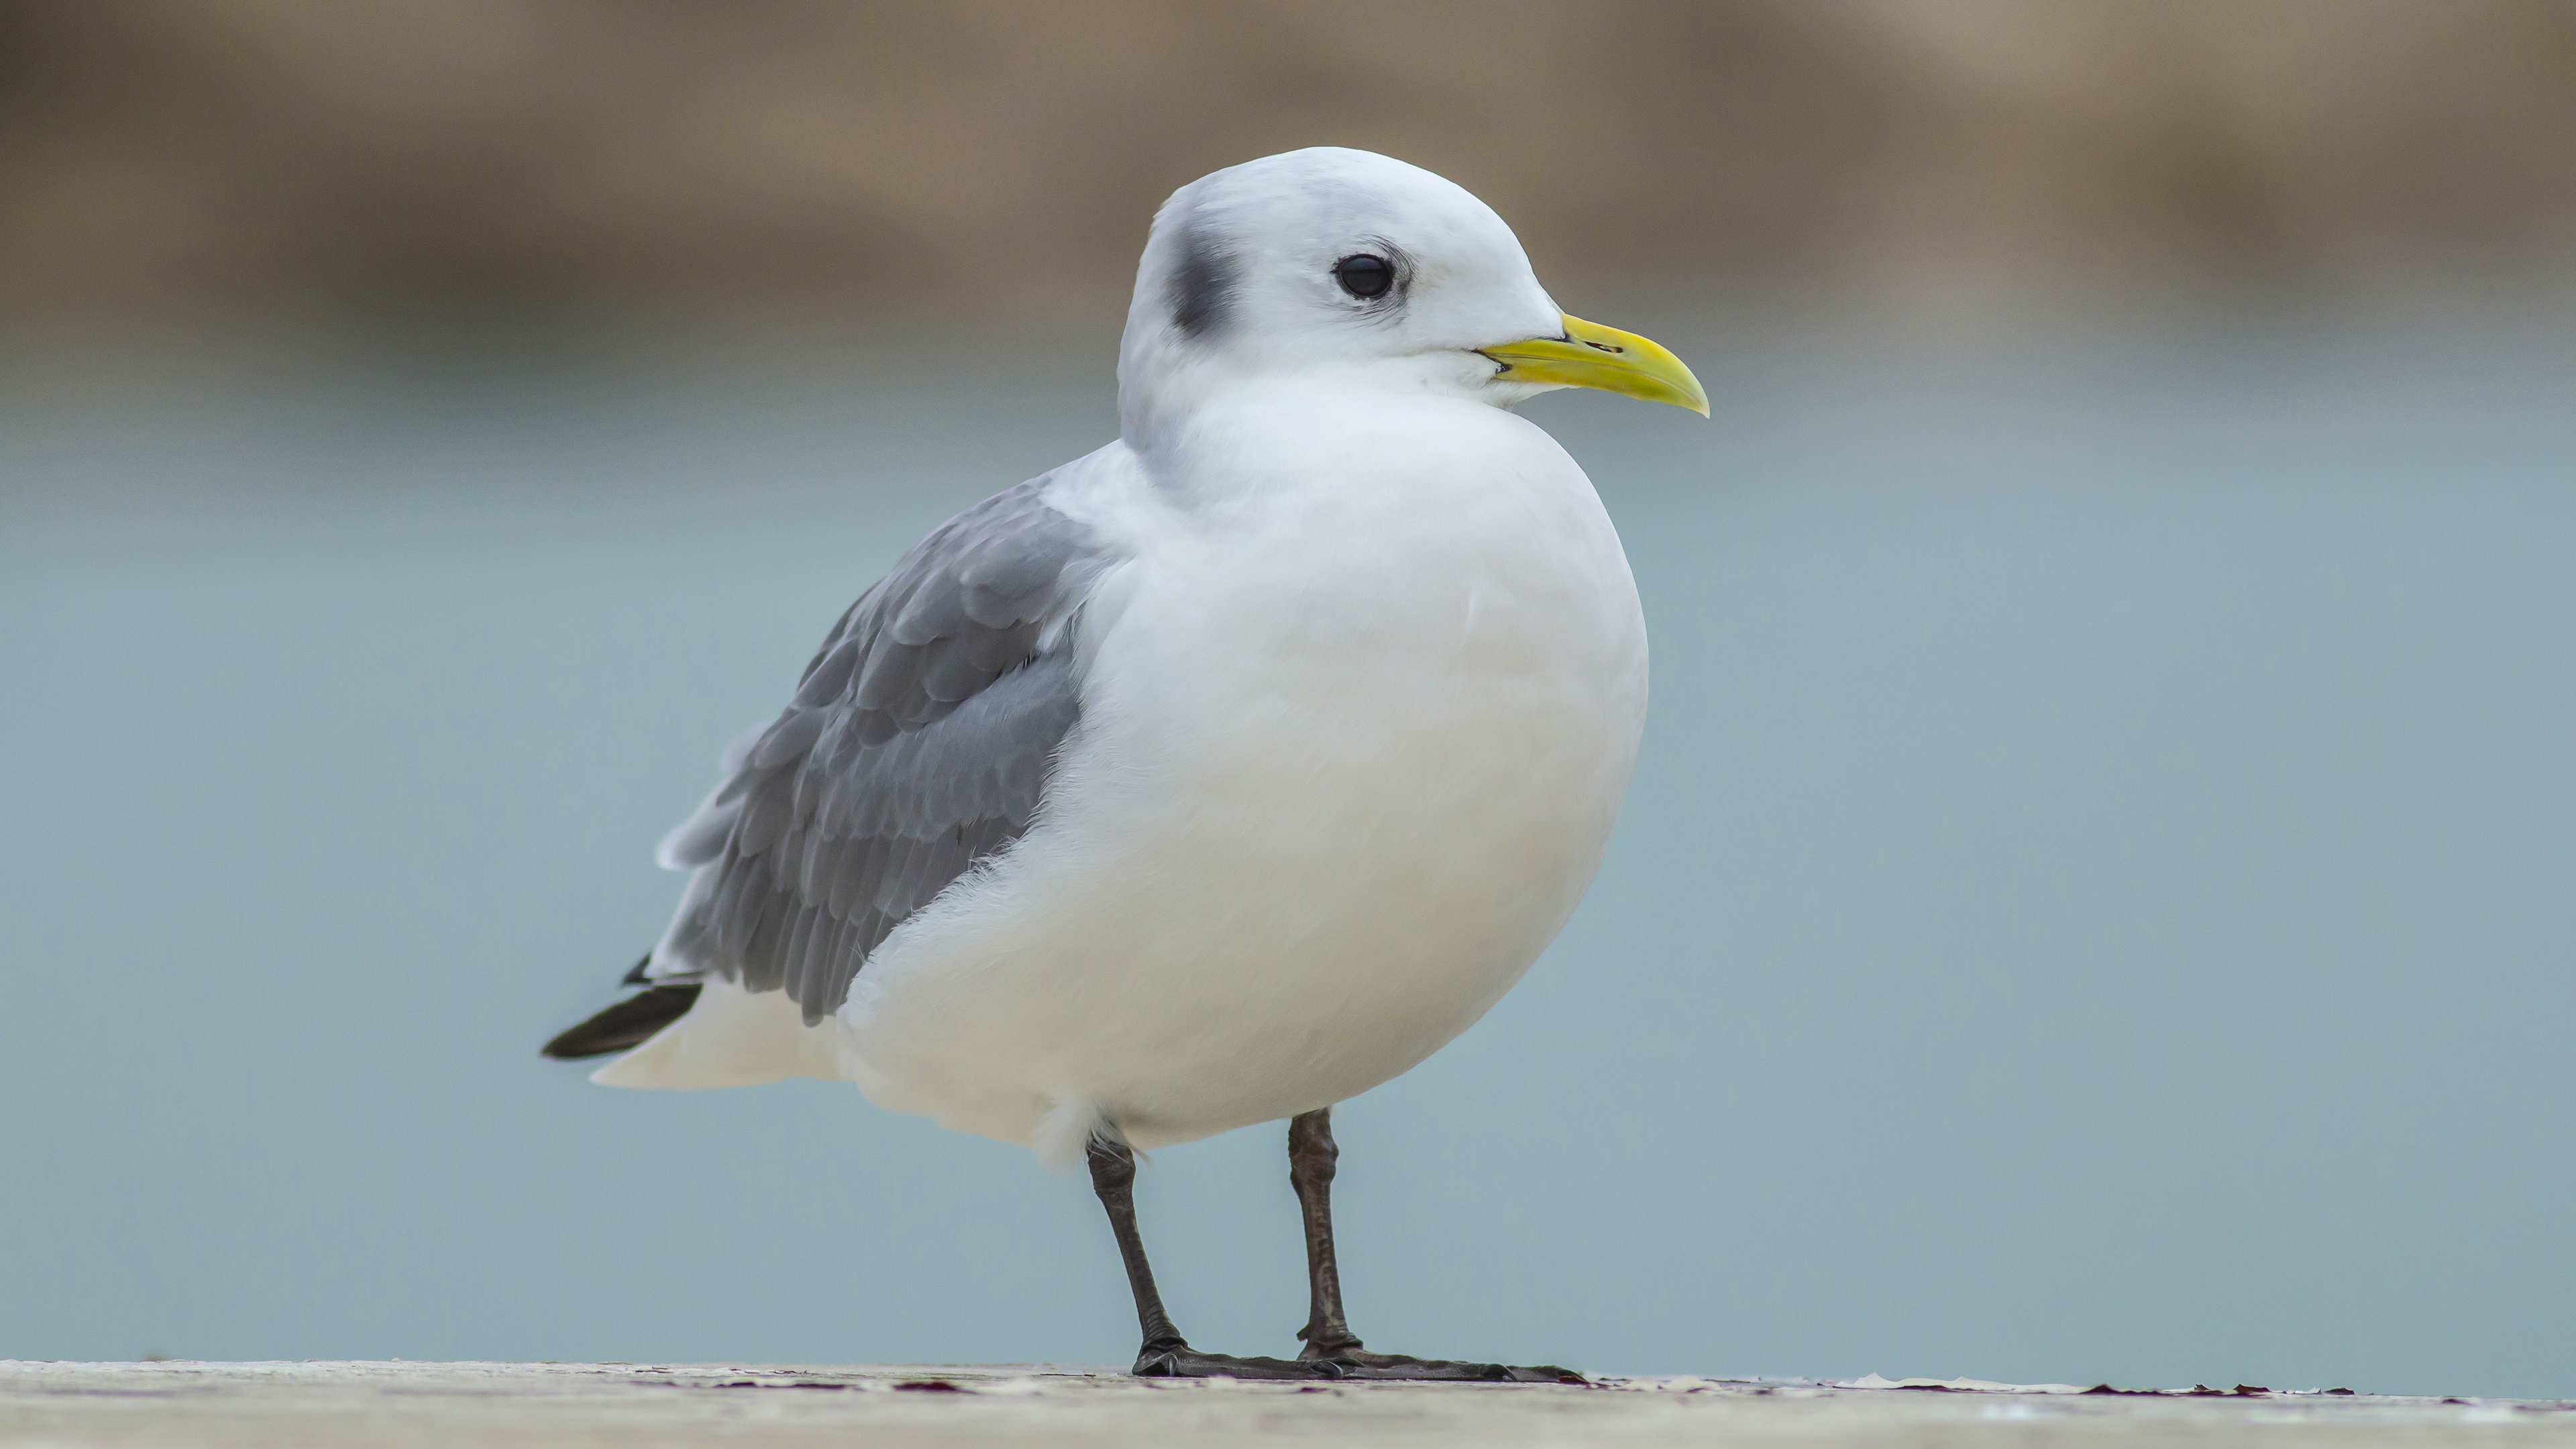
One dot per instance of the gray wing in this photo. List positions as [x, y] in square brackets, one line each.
[919, 742]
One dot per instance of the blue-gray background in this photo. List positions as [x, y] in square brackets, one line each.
[2094, 903]
[2098, 901]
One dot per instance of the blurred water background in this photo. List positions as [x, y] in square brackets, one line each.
[2095, 903]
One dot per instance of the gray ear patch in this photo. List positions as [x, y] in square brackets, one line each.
[1202, 285]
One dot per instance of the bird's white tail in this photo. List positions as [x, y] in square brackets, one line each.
[730, 1038]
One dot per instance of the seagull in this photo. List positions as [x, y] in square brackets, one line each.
[1217, 776]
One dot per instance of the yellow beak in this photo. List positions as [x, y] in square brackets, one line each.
[1591, 355]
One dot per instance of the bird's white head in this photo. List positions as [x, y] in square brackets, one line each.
[1331, 270]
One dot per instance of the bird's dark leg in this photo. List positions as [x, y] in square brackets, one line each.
[1311, 1155]
[1165, 1353]
[1312, 1158]
[1113, 1176]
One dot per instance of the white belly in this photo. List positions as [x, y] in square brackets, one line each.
[1348, 759]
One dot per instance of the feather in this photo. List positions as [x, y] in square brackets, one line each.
[917, 743]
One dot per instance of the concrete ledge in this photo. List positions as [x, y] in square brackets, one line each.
[290, 1405]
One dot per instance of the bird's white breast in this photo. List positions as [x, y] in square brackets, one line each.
[1356, 722]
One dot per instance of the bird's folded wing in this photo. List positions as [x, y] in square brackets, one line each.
[918, 743]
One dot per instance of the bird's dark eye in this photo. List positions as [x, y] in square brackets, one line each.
[1364, 276]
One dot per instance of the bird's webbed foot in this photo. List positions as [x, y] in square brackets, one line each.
[1176, 1360]
[1354, 1362]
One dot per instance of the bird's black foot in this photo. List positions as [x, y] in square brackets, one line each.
[1358, 1363]
[1180, 1361]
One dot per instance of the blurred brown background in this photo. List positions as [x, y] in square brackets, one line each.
[177, 160]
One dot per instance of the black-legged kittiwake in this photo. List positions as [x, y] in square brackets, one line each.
[1217, 776]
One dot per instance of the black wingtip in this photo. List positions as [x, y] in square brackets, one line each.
[625, 1024]
[637, 977]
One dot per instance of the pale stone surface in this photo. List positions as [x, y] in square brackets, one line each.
[290, 1405]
